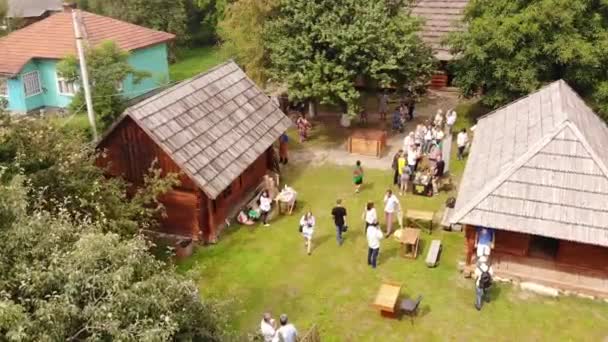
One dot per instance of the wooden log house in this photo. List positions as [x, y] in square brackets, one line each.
[440, 17]
[216, 130]
[537, 173]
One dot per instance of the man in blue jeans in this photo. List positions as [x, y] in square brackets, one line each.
[483, 281]
[339, 213]
[374, 235]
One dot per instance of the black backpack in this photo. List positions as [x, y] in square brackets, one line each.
[485, 280]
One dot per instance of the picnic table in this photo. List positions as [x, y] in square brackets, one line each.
[387, 297]
[409, 239]
[414, 216]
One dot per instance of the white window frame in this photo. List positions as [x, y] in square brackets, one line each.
[75, 86]
[23, 79]
[5, 80]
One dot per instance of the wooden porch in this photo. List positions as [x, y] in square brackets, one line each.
[551, 273]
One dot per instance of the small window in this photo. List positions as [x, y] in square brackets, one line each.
[31, 83]
[66, 87]
[3, 87]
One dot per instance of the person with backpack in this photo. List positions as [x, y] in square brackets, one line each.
[483, 282]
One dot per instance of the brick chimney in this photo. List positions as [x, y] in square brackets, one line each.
[68, 6]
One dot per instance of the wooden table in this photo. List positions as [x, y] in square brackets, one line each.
[370, 142]
[409, 242]
[413, 216]
[387, 297]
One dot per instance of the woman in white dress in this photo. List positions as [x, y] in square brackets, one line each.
[307, 227]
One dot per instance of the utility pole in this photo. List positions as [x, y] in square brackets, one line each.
[84, 72]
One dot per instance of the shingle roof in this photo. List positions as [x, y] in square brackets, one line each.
[440, 18]
[32, 8]
[539, 166]
[213, 126]
[53, 38]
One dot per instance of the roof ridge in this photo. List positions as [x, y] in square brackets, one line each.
[517, 100]
[583, 140]
[503, 176]
[179, 85]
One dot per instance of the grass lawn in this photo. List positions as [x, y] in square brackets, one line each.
[259, 269]
[194, 61]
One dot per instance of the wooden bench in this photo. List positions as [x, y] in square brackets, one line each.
[434, 251]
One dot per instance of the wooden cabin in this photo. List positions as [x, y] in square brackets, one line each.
[537, 173]
[440, 18]
[215, 130]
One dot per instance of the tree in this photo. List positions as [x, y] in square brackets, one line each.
[162, 15]
[319, 48]
[108, 67]
[511, 48]
[241, 31]
[213, 13]
[64, 279]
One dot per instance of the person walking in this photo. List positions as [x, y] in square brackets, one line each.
[287, 332]
[358, 176]
[303, 126]
[339, 214]
[391, 205]
[410, 108]
[283, 149]
[374, 235]
[307, 227]
[462, 139]
[395, 167]
[483, 282]
[265, 207]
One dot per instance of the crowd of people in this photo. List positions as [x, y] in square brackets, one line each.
[421, 153]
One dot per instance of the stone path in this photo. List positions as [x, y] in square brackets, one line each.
[425, 109]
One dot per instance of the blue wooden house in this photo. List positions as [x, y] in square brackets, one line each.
[28, 58]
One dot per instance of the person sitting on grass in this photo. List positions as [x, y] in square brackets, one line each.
[358, 176]
[307, 227]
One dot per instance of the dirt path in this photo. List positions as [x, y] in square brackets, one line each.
[339, 155]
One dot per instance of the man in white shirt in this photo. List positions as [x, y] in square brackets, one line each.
[267, 326]
[287, 332]
[462, 139]
[451, 120]
[391, 206]
[374, 235]
[408, 141]
[483, 276]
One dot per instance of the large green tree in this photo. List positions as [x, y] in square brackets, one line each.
[63, 279]
[511, 48]
[241, 31]
[162, 15]
[319, 48]
[108, 67]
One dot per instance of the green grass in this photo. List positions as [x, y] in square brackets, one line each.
[191, 62]
[259, 269]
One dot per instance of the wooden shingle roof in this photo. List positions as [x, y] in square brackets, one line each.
[440, 18]
[53, 38]
[539, 166]
[213, 126]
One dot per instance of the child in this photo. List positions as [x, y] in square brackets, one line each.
[307, 226]
[358, 176]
